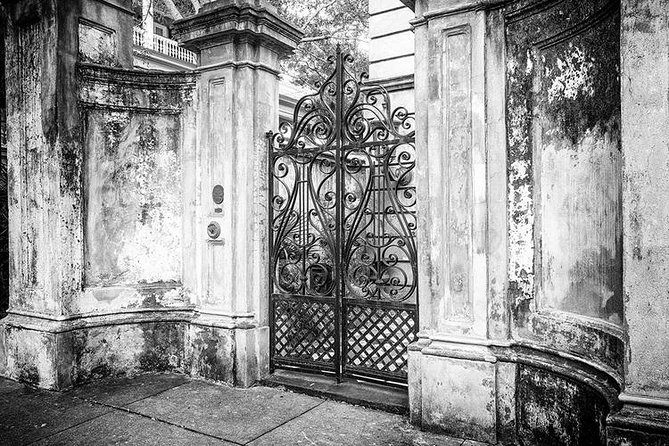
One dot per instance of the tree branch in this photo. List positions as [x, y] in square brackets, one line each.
[317, 13]
[174, 11]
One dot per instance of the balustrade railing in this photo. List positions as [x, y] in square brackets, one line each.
[171, 48]
[138, 37]
[165, 46]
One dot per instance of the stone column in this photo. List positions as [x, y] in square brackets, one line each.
[240, 44]
[455, 382]
[644, 418]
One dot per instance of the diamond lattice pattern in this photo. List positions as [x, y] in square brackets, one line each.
[377, 338]
[304, 331]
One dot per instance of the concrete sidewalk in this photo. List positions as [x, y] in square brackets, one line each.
[162, 409]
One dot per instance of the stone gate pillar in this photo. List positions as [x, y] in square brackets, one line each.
[455, 382]
[240, 44]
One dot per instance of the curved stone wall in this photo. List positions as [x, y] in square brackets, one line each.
[520, 220]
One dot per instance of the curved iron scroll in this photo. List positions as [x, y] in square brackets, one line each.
[343, 210]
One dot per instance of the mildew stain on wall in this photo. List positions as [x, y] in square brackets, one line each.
[564, 172]
[134, 209]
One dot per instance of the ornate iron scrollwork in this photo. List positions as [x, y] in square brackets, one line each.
[343, 202]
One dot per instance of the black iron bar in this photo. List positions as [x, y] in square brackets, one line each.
[339, 225]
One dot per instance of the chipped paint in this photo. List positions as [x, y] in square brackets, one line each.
[134, 199]
[575, 75]
[563, 124]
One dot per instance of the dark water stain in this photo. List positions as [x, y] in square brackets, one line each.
[554, 410]
[163, 347]
[211, 359]
[28, 374]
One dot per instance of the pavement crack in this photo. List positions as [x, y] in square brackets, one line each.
[160, 420]
[286, 422]
[90, 400]
[68, 428]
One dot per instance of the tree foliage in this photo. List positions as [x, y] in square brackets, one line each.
[325, 23]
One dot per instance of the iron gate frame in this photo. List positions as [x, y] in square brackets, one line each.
[340, 84]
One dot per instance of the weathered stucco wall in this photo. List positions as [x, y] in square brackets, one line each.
[4, 218]
[646, 192]
[543, 415]
[126, 350]
[87, 142]
[113, 270]
[644, 418]
[577, 106]
[138, 135]
[43, 158]
[564, 157]
[105, 32]
[134, 194]
[520, 220]
[564, 161]
[565, 211]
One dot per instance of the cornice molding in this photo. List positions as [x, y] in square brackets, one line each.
[226, 22]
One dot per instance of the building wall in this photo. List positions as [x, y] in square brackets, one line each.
[111, 171]
[520, 179]
[135, 185]
[391, 50]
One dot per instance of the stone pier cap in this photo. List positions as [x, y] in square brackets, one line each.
[221, 21]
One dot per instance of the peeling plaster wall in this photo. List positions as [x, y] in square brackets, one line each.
[43, 155]
[30, 356]
[4, 222]
[105, 32]
[138, 196]
[565, 176]
[133, 189]
[107, 183]
[558, 411]
[565, 211]
[577, 107]
[564, 162]
[138, 141]
[540, 159]
[210, 353]
[126, 349]
[136, 200]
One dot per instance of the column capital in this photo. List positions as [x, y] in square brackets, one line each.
[238, 21]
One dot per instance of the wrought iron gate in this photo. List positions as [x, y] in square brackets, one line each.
[342, 222]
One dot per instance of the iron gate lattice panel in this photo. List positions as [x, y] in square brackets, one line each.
[342, 223]
[305, 333]
[377, 339]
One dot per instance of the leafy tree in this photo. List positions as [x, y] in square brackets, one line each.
[326, 23]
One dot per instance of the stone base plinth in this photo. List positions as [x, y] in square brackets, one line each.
[508, 394]
[217, 351]
[457, 389]
[639, 423]
[57, 355]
